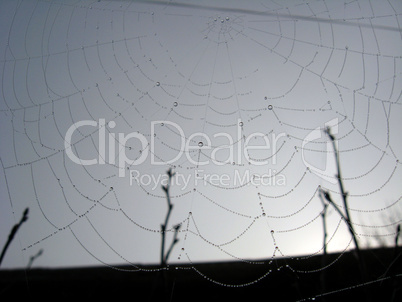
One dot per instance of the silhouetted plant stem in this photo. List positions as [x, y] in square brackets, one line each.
[346, 216]
[344, 194]
[324, 224]
[13, 232]
[174, 241]
[33, 258]
[398, 231]
[324, 256]
[350, 226]
[392, 269]
[164, 257]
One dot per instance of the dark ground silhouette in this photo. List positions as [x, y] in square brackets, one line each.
[343, 281]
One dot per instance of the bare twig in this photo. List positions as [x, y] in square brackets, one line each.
[166, 189]
[174, 241]
[13, 232]
[348, 222]
[33, 258]
[394, 265]
[346, 216]
[344, 194]
[324, 224]
[323, 275]
[164, 257]
[339, 177]
[397, 253]
[398, 231]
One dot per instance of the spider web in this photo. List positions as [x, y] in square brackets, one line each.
[178, 73]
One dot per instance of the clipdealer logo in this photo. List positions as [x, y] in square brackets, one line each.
[241, 147]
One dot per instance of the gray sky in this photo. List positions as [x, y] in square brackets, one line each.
[198, 88]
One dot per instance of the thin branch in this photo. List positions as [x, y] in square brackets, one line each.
[33, 258]
[398, 232]
[346, 216]
[323, 275]
[350, 227]
[166, 189]
[174, 241]
[324, 224]
[343, 193]
[13, 232]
